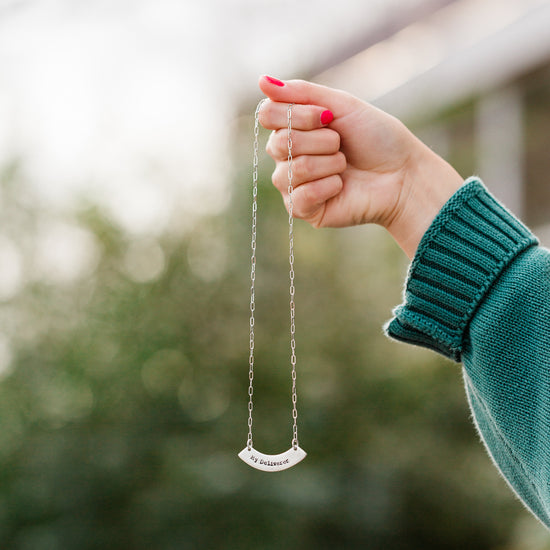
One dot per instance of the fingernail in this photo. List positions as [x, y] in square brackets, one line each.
[327, 117]
[274, 81]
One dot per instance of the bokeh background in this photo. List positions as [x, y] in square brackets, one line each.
[125, 168]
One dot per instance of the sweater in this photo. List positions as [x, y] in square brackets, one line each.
[478, 291]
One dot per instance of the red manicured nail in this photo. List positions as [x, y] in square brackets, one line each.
[274, 81]
[327, 117]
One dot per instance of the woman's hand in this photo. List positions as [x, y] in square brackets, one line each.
[353, 163]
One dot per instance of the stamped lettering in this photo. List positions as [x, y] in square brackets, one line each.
[272, 463]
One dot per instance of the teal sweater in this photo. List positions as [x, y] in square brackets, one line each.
[478, 291]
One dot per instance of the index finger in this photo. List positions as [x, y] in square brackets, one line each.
[307, 93]
[273, 115]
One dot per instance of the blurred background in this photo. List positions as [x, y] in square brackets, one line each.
[125, 174]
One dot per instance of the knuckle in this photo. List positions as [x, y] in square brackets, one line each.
[275, 145]
[306, 202]
[307, 198]
[279, 178]
[302, 167]
[266, 114]
[334, 139]
[298, 209]
[341, 161]
[312, 197]
[269, 147]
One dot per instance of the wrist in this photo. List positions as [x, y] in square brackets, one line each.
[428, 183]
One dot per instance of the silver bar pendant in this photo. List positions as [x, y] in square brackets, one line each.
[272, 463]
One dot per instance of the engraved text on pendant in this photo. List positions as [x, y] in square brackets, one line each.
[272, 463]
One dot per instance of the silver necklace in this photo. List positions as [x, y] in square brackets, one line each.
[282, 461]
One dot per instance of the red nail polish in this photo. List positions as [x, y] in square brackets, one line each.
[327, 117]
[274, 81]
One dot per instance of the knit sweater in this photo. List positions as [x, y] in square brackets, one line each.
[478, 292]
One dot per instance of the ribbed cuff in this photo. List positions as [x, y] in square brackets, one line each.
[468, 245]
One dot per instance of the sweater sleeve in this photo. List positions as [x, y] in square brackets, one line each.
[477, 292]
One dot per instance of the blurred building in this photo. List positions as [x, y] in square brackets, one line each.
[472, 79]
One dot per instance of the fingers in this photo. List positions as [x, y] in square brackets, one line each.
[306, 93]
[309, 201]
[322, 141]
[307, 169]
[318, 163]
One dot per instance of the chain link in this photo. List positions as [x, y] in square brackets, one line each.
[292, 290]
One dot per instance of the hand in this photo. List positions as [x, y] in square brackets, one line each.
[363, 166]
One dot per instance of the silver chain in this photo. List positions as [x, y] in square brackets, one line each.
[292, 289]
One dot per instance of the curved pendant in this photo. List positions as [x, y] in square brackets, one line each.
[272, 463]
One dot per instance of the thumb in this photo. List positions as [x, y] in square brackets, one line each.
[306, 93]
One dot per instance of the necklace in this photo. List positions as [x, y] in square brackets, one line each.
[282, 461]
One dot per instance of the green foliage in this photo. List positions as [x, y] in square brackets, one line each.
[125, 406]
